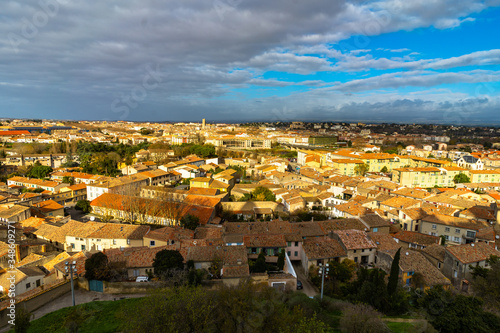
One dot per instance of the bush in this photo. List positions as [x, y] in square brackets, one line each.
[361, 318]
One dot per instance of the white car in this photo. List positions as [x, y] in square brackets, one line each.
[142, 279]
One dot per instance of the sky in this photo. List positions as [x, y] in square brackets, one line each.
[426, 61]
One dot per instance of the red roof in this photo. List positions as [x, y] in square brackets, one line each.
[11, 133]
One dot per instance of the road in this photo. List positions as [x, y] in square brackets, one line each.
[309, 289]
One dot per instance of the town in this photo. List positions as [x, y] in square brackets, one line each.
[322, 208]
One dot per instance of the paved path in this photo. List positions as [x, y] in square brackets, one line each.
[309, 289]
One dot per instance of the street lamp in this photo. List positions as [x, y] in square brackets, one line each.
[70, 269]
[323, 271]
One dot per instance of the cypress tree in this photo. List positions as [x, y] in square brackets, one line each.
[392, 285]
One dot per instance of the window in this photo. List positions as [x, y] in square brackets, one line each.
[354, 251]
[355, 259]
[434, 227]
[471, 234]
[447, 229]
[73, 246]
[289, 253]
[152, 243]
[296, 243]
[128, 241]
[439, 265]
[456, 239]
[375, 229]
[296, 253]
[289, 244]
[457, 231]
[447, 237]
[363, 250]
[28, 285]
[114, 241]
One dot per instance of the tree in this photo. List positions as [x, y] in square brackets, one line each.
[215, 268]
[485, 282]
[361, 169]
[83, 205]
[461, 178]
[96, 267]
[392, 285]
[384, 169]
[68, 180]
[361, 318]
[167, 260]
[262, 193]
[22, 319]
[260, 265]
[189, 221]
[39, 171]
[281, 260]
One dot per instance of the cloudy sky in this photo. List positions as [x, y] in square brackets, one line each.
[431, 61]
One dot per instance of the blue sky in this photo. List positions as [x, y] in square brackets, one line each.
[432, 61]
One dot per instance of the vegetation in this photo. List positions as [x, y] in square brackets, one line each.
[189, 221]
[260, 193]
[361, 169]
[246, 308]
[68, 180]
[39, 171]
[461, 178]
[485, 283]
[166, 262]
[392, 285]
[83, 205]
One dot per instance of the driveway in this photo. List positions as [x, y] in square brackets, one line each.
[309, 289]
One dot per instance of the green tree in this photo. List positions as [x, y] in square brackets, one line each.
[384, 169]
[22, 321]
[189, 221]
[39, 171]
[262, 193]
[83, 205]
[361, 169]
[260, 265]
[281, 260]
[96, 267]
[485, 282]
[215, 268]
[461, 178]
[166, 261]
[68, 180]
[392, 285]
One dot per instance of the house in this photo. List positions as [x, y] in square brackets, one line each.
[121, 185]
[252, 209]
[435, 254]
[49, 208]
[166, 236]
[456, 230]
[375, 223]
[470, 162]
[316, 251]
[411, 263]
[415, 240]
[358, 246]
[34, 183]
[138, 261]
[14, 213]
[25, 279]
[459, 260]
[70, 194]
[102, 236]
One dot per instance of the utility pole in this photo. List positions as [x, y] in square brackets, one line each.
[323, 270]
[70, 269]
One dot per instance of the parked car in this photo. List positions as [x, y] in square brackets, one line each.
[142, 279]
[299, 285]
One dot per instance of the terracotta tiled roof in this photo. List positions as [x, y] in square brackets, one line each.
[170, 233]
[354, 239]
[471, 253]
[264, 241]
[341, 224]
[322, 248]
[48, 206]
[416, 237]
[436, 251]
[383, 241]
[374, 221]
[120, 231]
[455, 221]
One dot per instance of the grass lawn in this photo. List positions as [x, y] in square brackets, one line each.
[94, 317]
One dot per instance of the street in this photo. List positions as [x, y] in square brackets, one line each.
[309, 289]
